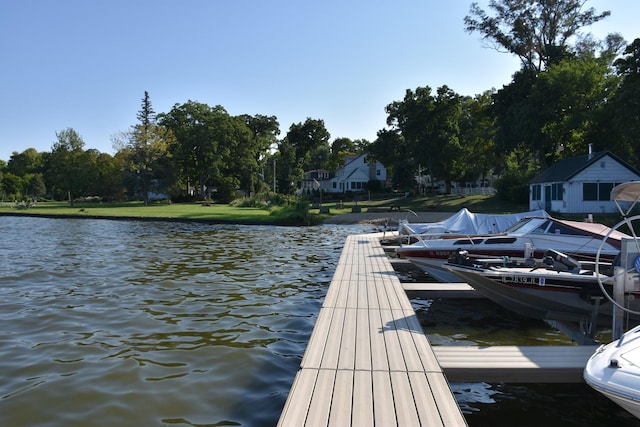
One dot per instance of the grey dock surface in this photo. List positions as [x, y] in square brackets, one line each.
[368, 361]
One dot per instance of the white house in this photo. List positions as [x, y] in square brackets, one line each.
[315, 180]
[580, 184]
[353, 176]
[356, 173]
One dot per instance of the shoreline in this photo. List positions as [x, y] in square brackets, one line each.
[390, 218]
[362, 218]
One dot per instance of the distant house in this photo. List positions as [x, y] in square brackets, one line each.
[356, 174]
[315, 180]
[353, 176]
[581, 184]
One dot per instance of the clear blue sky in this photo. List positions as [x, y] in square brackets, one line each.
[86, 64]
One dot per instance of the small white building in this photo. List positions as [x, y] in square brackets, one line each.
[580, 184]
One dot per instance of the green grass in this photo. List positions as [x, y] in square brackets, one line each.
[224, 213]
[186, 211]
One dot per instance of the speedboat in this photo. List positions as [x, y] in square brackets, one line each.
[556, 288]
[528, 238]
[464, 223]
[614, 370]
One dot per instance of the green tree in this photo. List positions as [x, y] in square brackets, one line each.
[29, 161]
[305, 146]
[339, 147]
[264, 131]
[65, 173]
[34, 185]
[108, 182]
[430, 126]
[624, 111]
[212, 148]
[477, 137]
[146, 144]
[392, 149]
[539, 32]
[12, 186]
[567, 99]
[196, 149]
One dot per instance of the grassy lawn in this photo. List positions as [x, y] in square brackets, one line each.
[247, 215]
[188, 211]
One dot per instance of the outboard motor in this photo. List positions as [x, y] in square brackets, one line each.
[559, 261]
[461, 257]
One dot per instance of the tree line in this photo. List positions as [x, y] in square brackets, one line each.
[570, 92]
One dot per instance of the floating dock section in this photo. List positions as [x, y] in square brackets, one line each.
[369, 363]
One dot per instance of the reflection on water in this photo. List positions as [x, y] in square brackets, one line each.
[133, 323]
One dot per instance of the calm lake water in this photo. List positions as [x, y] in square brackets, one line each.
[155, 323]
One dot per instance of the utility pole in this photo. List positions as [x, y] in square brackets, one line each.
[274, 174]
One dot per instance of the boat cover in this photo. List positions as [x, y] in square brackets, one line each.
[627, 192]
[468, 223]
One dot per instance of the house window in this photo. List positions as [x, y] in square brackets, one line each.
[593, 191]
[556, 191]
[536, 192]
[334, 185]
[589, 191]
[378, 172]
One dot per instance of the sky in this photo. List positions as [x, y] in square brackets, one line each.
[86, 64]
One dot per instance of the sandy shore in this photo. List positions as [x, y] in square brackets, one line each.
[390, 218]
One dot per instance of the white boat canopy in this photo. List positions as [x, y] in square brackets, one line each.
[469, 223]
[626, 192]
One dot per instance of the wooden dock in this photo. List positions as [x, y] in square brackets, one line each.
[368, 361]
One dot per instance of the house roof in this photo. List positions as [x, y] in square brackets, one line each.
[566, 169]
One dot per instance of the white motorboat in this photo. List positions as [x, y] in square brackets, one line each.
[614, 370]
[531, 237]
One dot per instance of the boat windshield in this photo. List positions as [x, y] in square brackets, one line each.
[543, 226]
[529, 225]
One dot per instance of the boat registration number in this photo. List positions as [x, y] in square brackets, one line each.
[520, 280]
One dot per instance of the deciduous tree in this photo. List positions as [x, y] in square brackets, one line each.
[539, 32]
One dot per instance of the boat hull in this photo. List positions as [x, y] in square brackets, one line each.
[614, 371]
[547, 296]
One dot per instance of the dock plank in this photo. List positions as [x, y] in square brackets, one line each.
[342, 396]
[362, 412]
[320, 405]
[406, 412]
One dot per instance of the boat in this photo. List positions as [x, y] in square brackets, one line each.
[614, 368]
[464, 223]
[614, 371]
[529, 238]
[556, 288]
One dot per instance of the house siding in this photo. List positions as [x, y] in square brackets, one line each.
[604, 170]
[355, 175]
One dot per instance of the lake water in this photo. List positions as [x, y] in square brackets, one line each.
[158, 323]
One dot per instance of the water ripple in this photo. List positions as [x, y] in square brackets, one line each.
[133, 323]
